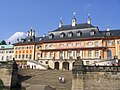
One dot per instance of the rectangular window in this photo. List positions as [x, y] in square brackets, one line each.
[19, 56]
[15, 56]
[30, 51]
[70, 54]
[61, 54]
[30, 56]
[89, 54]
[23, 56]
[97, 53]
[26, 55]
[19, 51]
[77, 53]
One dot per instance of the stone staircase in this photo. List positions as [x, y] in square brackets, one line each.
[30, 77]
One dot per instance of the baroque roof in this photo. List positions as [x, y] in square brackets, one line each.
[78, 32]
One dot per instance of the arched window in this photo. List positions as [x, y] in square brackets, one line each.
[70, 34]
[79, 33]
[62, 35]
[92, 32]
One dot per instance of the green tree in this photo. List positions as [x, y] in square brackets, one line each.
[3, 42]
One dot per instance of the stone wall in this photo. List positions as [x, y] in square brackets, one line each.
[101, 81]
[95, 77]
[8, 74]
[97, 81]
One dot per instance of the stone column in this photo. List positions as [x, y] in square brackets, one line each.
[70, 65]
[78, 73]
[77, 82]
[60, 66]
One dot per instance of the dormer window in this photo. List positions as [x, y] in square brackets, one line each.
[29, 40]
[62, 35]
[70, 34]
[79, 33]
[40, 39]
[108, 33]
[92, 32]
[51, 36]
[22, 40]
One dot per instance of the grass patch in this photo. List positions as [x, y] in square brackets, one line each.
[1, 83]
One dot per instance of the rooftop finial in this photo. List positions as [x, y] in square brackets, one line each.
[60, 19]
[31, 28]
[108, 28]
[60, 23]
[74, 14]
[74, 19]
[88, 20]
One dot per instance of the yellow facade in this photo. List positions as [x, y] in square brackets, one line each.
[22, 53]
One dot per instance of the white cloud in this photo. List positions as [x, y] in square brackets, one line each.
[15, 36]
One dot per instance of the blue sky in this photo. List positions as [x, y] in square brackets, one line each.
[43, 15]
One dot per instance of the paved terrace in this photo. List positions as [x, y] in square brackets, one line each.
[30, 77]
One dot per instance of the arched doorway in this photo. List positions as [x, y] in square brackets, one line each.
[65, 65]
[109, 54]
[56, 65]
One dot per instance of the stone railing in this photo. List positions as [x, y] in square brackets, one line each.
[102, 68]
[78, 69]
[6, 65]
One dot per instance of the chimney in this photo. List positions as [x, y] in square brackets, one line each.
[28, 33]
[33, 32]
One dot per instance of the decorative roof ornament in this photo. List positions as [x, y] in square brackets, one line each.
[89, 19]
[74, 14]
[108, 28]
[74, 19]
[60, 23]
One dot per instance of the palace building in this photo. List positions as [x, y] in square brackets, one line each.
[61, 47]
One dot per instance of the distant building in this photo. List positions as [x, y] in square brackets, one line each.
[24, 49]
[6, 52]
